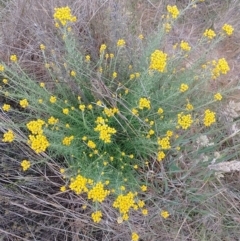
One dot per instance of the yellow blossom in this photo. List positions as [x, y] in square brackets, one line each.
[1, 68]
[184, 121]
[144, 188]
[79, 184]
[183, 87]
[140, 36]
[228, 29]
[173, 10]
[63, 188]
[102, 48]
[114, 75]
[13, 58]
[42, 47]
[209, 118]
[8, 136]
[135, 237]
[185, 46]
[87, 58]
[144, 103]
[217, 96]
[65, 111]
[6, 107]
[98, 193]
[121, 43]
[96, 216]
[52, 120]
[91, 144]
[164, 214]
[63, 15]
[67, 140]
[5, 81]
[73, 73]
[25, 164]
[23, 103]
[160, 156]
[53, 99]
[145, 212]
[158, 61]
[38, 143]
[35, 126]
[209, 33]
[82, 107]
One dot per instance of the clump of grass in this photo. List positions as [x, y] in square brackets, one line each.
[107, 123]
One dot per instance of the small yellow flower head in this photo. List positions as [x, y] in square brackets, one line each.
[40, 101]
[52, 121]
[67, 140]
[160, 111]
[63, 188]
[145, 212]
[183, 87]
[42, 84]
[169, 133]
[87, 58]
[209, 33]
[167, 27]
[38, 143]
[6, 107]
[164, 214]
[1, 68]
[82, 107]
[228, 29]
[96, 216]
[13, 58]
[144, 103]
[158, 61]
[140, 36]
[65, 111]
[114, 75]
[98, 193]
[185, 46]
[91, 144]
[144, 188]
[53, 99]
[5, 81]
[160, 156]
[189, 106]
[111, 56]
[184, 121]
[62, 170]
[63, 15]
[121, 43]
[73, 73]
[84, 138]
[102, 48]
[135, 237]
[218, 96]
[23, 103]
[220, 67]
[209, 118]
[35, 126]
[8, 136]
[42, 47]
[134, 111]
[173, 10]
[25, 165]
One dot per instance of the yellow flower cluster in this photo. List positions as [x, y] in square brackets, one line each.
[79, 184]
[67, 140]
[1, 68]
[13, 58]
[183, 87]
[25, 165]
[38, 143]
[53, 99]
[105, 132]
[91, 144]
[228, 29]
[185, 46]
[184, 121]
[220, 67]
[218, 96]
[6, 107]
[173, 10]
[42, 46]
[209, 33]
[158, 61]
[144, 103]
[102, 48]
[164, 143]
[167, 27]
[63, 15]
[65, 111]
[189, 106]
[121, 42]
[111, 112]
[135, 236]
[124, 203]
[96, 216]
[23, 103]
[164, 214]
[97, 193]
[160, 156]
[52, 121]
[8, 136]
[36, 126]
[209, 117]
[134, 111]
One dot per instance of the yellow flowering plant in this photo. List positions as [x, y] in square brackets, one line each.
[117, 122]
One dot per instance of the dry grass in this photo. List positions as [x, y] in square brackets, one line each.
[31, 206]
